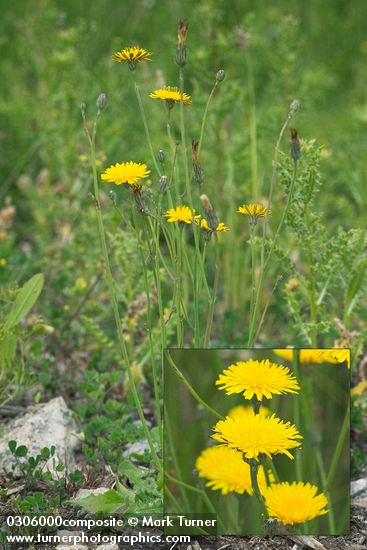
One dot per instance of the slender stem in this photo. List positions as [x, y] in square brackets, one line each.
[175, 463]
[205, 115]
[113, 298]
[253, 268]
[150, 337]
[178, 289]
[338, 450]
[265, 266]
[273, 180]
[142, 112]
[213, 298]
[321, 466]
[254, 468]
[191, 390]
[297, 414]
[312, 283]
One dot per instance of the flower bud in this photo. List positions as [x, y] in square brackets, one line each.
[294, 106]
[198, 171]
[211, 218]
[112, 196]
[181, 50]
[181, 55]
[163, 184]
[295, 145]
[101, 101]
[220, 76]
[182, 31]
[161, 155]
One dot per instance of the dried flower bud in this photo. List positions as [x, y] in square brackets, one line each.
[161, 155]
[211, 218]
[195, 151]
[295, 145]
[220, 76]
[182, 31]
[181, 50]
[101, 101]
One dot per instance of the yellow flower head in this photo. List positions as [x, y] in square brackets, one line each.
[221, 227]
[180, 214]
[335, 356]
[132, 56]
[254, 211]
[359, 389]
[260, 378]
[171, 96]
[317, 356]
[255, 435]
[225, 470]
[293, 503]
[125, 172]
[243, 412]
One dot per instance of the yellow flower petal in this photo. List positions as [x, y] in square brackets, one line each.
[257, 378]
[293, 503]
[255, 435]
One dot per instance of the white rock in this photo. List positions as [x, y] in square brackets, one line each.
[43, 425]
[107, 547]
[84, 493]
[74, 547]
[138, 448]
[358, 488]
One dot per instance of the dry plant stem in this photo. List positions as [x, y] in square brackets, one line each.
[147, 134]
[113, 298]
[264, 270]
[297, 415]
[191, 390]
[205, 115]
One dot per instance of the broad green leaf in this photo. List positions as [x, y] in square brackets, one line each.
[12, 445]
[8, 346]
[24, 301]
[21, 451]
[107, 503]
[129, 470]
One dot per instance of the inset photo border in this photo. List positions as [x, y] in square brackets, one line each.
[259, 437]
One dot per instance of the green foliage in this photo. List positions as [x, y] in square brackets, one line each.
[13, 338]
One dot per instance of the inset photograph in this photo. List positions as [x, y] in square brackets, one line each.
[260, 438]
